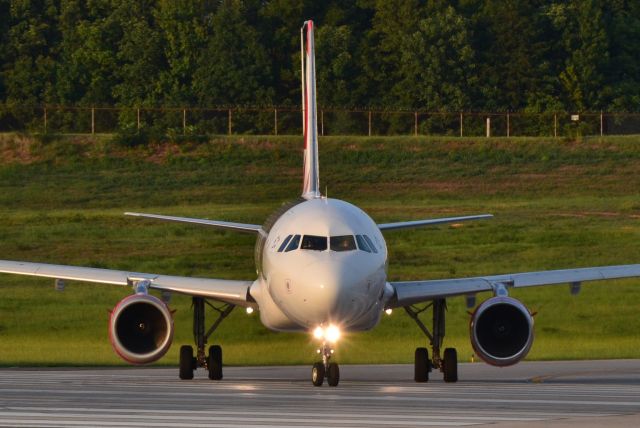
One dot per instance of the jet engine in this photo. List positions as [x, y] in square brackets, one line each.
[141, 328]
[501, 331]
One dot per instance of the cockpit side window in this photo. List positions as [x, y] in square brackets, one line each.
[293, 244]
[316, 243]
[342, 243]
[362, 244]
[284, 243]
[373, 247]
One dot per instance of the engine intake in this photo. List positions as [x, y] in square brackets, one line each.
[501, 331]
[141, 329]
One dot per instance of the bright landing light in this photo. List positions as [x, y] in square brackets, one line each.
[318, 333]
[330, 334]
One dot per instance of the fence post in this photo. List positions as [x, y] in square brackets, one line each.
[555, 125]
[229, 121]
[369, 123]
[415, 124]
[508, 125]
[601, 124]
[461, 134]
[93, 120]
[488, 127]
[184, 121]
[138, 117]
[275, 121]
[45, 120]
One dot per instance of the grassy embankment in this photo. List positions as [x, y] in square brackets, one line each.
[557, 204]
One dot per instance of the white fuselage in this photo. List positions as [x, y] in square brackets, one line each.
[323, 262]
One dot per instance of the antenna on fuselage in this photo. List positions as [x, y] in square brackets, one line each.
[311, 183]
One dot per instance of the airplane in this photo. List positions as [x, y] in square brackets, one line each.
[322, 268]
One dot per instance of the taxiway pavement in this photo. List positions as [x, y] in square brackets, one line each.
[531, 394]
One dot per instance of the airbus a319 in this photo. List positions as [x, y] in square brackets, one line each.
[322, 268]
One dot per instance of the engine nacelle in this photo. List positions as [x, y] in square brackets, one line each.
[141, 329]
[501, 331]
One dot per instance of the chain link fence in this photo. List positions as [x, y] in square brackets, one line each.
[331, 121]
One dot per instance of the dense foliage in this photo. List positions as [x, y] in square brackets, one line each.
[491, 55]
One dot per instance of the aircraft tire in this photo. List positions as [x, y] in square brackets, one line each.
[186, 362]
[450, 368]
[333, 374]
[317, 374]
[214, 362]
[421, 371]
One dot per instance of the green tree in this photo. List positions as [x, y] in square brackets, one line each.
[437, 62]
[4, 41]
[393, 24]
[184, 33]
[586, 48]
[233, 68]
[29, 72]
[510, 40]
[89, 67]
[279, 29]
[139, 55]
[623, 68]
[335, 65]
[537, 55]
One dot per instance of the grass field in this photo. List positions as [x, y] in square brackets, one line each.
[557, 204]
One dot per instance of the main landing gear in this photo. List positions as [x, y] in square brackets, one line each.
[213, 360]
[325, 369]
[447, 363]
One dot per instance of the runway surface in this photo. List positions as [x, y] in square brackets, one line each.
[560, 394]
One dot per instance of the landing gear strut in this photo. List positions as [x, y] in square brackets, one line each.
[213, 361]
[447, 363]
[325, 369]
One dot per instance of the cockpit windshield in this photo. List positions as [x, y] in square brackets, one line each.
[362, 244]
[284, 243]
[373, 247]
[315, 243]
[293, 244]
[342, 243]
[338, 243]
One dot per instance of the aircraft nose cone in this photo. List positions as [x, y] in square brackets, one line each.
[332, 294]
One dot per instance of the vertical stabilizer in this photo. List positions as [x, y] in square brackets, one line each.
[311, 185]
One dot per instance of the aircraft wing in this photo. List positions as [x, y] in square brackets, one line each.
[431, 222]
[230, 291]
[238, 227]
[411, 292]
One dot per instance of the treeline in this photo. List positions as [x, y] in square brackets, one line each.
[489, 55]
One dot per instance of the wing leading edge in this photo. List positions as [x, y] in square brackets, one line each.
[238, 227]
[411, 292]
[431, 222]
[230, 291]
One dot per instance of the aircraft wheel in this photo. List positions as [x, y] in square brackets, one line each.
[215, 362]
[333, 375]
[450, 362]
[186, 362]
[317, 374]
[421, 372]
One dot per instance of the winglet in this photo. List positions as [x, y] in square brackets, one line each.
[311, 184]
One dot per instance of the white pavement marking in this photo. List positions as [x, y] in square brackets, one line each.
[245, 416]
[133, 398]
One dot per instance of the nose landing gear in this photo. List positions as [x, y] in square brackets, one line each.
[325, 369]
